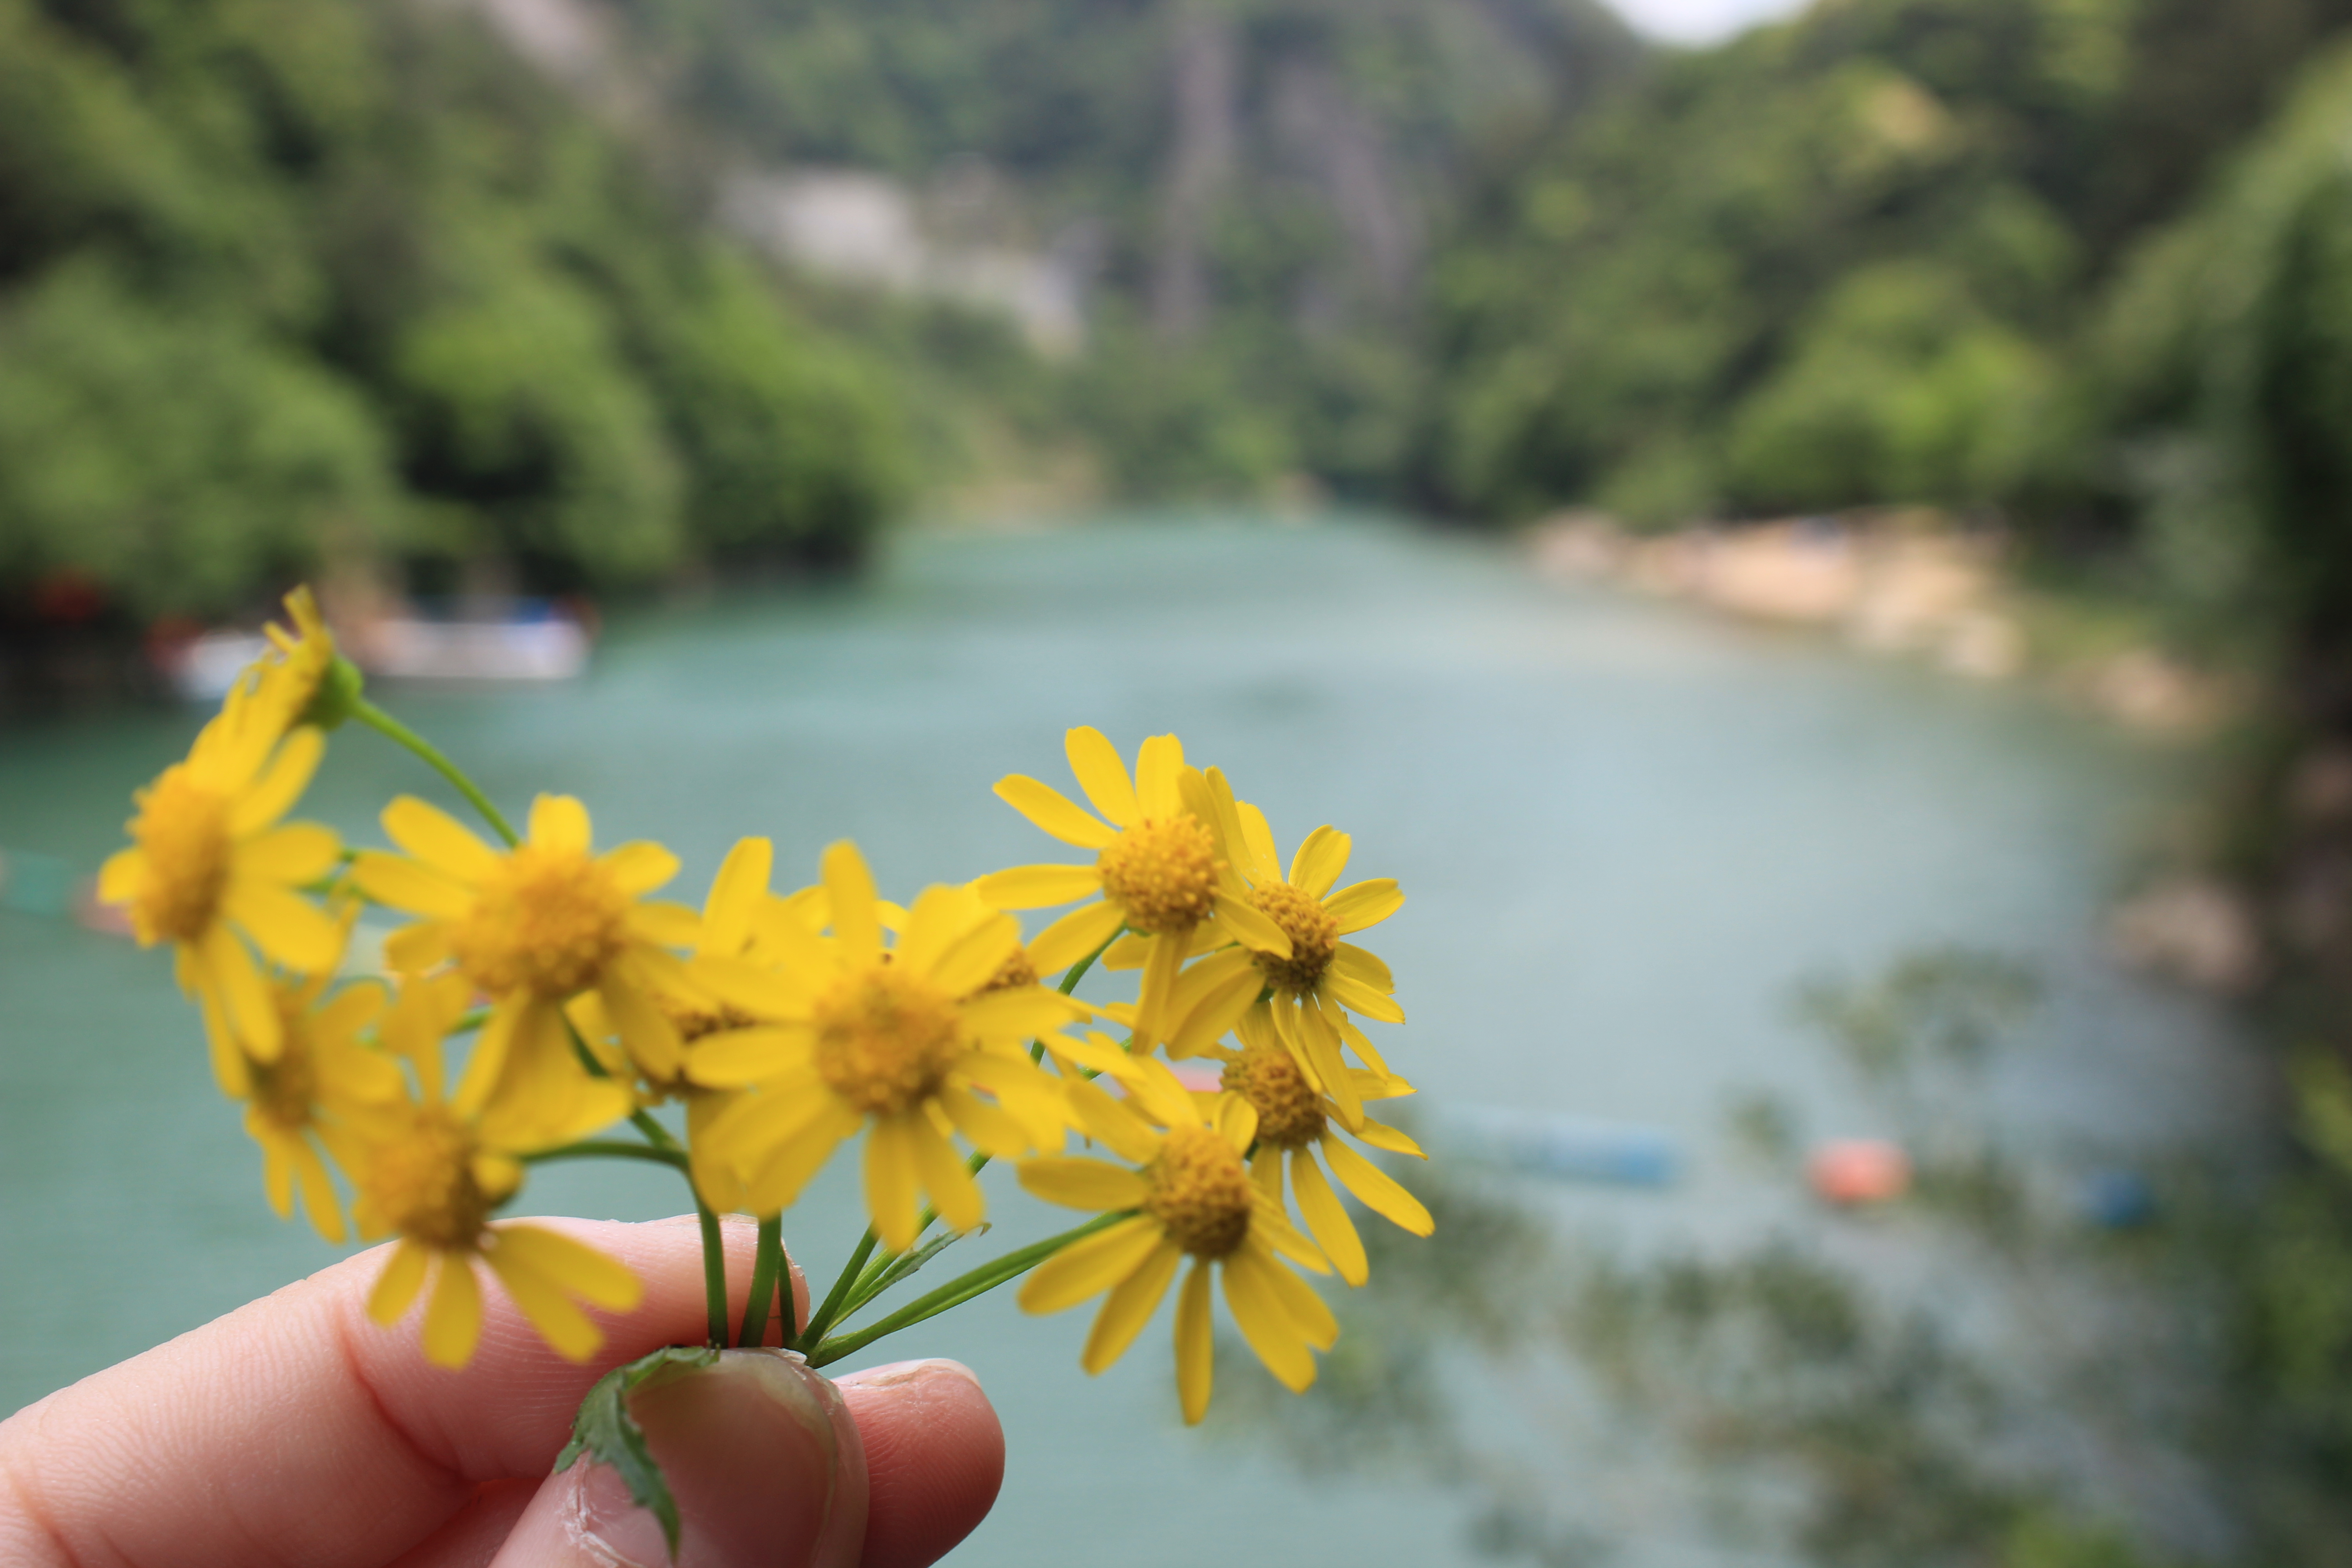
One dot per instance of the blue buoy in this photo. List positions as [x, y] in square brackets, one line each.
[1564, 1148]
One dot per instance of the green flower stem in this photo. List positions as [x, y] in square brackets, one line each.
[642, 1120]
[766, 1271]
[958, 1290]
[837, 1299]
[714, 1272]
[1070, 983]
[392, 729]
[609, 1148]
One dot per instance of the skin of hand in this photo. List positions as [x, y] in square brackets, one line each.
[296, 1431]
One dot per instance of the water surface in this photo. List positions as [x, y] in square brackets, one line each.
[1625, 831]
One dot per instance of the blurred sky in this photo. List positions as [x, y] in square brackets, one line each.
[1702, 21]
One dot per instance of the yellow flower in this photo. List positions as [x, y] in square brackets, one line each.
[211, 868]
[287, 679]
[1295, 1119]
[532, 927]
[433, 1172]
[320, 1080]
[738, 916]
[1159, 867]
[902, 1041]
[1319, 981]
[1188, 1195]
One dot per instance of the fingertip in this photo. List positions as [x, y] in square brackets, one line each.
[934, 1457]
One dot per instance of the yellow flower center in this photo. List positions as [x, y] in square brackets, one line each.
[1289, 1111]
[547, 921]
[286, 1091]
[1015, 971]
[183, 832]
[692, 1022]
[883, 1039]
[423, 1181]
[1313, 930]
[1162, 872]
[1200, 1192]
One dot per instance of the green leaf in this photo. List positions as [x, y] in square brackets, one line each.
[607, 1432]
[900, 1267]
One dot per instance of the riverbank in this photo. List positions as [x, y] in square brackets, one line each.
[1907, 582]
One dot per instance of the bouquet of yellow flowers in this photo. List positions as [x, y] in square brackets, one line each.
[786, 1027]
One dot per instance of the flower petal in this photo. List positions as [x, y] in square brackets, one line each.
[583, 1270]
[282, 783]
[560, 823]
[1055, 813]
[1159, 767]
[1359, 998]
[639, 866]
[1195, 1344]
[893, 1181]
[1363, 904]
[1327, 1217]
[1362, 968]
[1111, 1124]
[1302, 1304]
[1037, 887]
[1130, 1306]
[1095, 764]
[730, 1058]
[855, 923]
[775, 1181]
[1090, 1265]
[438, 839]
[1078, 1183]
[1379, 1190]
[453, 1318]
[1259, 1313]
[286, 926]
[1322, 857]
[1074, 936]
[559, 1322]
[396, 1287]
[244, 998]
[296, 853]
[407, 885]
[735, 896]
[1250, 928]
[1020, 1013]
[945, 1176]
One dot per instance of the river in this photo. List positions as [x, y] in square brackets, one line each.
[1625, 831]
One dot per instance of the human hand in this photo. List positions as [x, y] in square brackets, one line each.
[295, 1431]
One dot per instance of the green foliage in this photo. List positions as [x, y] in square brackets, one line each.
[280, 279]
[2225, 376]
[178, 455]
[605, 1430]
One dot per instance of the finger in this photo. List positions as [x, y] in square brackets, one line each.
[294, 1430]
[763, 1461]
[935, 1454]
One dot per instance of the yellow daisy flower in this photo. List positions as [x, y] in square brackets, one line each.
[307, 1096]
[1295, 1119]
[1189, 1194]
[902, 1041]
[287, 679]
[532, 927]
[1320, 980]
[211, 868]
[433, 1172]
[1159, 868]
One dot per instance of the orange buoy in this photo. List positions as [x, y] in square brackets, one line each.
[1849, 1170]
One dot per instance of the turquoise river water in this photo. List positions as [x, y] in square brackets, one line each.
[1625, 831]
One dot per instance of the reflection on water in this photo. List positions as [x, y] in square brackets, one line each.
[1625, 833]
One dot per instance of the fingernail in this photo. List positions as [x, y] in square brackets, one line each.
[910, 1376]
[761, 1455]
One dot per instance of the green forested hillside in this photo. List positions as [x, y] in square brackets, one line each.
[1259, 183]
[1855, 258]
[287, 280]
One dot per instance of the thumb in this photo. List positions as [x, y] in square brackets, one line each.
[760, 1452]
